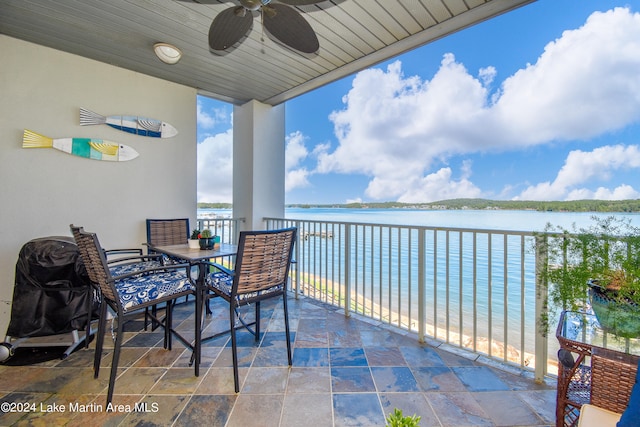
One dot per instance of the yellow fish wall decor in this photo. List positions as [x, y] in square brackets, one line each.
[89, 148]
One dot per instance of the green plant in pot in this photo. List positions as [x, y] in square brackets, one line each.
[398, 419]
[206, 239]
[597, 266]
[194, 240]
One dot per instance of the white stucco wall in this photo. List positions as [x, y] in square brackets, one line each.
[42, 191]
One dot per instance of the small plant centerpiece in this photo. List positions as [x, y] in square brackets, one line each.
[206, 239]
[597, 267]
[397, 419]
[194, 240]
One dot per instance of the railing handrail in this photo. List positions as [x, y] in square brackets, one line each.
[425, 227]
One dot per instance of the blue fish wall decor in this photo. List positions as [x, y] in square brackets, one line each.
[131, 124]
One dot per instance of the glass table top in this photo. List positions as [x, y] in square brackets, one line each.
[584, 328]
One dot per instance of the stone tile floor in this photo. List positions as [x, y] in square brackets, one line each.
[346, 372]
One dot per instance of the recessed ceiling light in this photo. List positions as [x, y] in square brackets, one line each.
[167, 53]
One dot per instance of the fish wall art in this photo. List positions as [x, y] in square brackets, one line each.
[131, 124]
[90, 148]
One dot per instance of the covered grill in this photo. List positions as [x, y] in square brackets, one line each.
[52, 295]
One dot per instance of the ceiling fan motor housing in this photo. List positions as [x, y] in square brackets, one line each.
[253, 4]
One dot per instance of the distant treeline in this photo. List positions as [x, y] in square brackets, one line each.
[566, 206]
[215, 205]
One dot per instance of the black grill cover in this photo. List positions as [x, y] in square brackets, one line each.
[52, 291]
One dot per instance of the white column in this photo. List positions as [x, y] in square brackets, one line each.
[258, 163]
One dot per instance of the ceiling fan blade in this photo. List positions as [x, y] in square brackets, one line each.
[300, 2]
[228, 27]
[290, 28]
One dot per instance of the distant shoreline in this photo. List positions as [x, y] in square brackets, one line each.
[596, 206]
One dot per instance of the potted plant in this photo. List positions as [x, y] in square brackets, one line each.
[397, 419]
[194, 240]
[597, 267]
[206, 239]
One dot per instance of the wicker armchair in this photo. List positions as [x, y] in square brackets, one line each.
[173, 231]
[261, 272]
[613, 375]
[126, 261]
[167, 231]
[128, 293]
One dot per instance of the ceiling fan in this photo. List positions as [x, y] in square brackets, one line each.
[281, 20]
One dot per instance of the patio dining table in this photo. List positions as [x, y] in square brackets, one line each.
[199, 258]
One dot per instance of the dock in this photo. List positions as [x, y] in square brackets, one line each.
[321, 234]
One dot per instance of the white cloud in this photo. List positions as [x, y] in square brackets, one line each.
[215, 168]
[487, 75]
[584, 84]
[582, 167]
[396, 129]
[295, 153]
[209, 119]
[297, 178]
[622, 192]
[440, 186]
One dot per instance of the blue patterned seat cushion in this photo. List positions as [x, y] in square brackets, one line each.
[137, 290]
[130, 267]
[223, 282]
[168, 260]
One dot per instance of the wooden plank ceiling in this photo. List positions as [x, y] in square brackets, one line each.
[353, 35]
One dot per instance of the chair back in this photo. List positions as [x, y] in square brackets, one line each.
[95, 261]
[162, 232]
[613, 375]
[263, 260]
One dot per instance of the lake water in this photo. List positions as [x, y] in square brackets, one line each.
[482, 219]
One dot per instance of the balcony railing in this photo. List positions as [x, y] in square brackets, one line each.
[472, 289]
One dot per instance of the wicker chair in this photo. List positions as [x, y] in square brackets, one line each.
[613, 375]
[167, 231]
[135, 260]
[162, 232]
[126, 261]
[128, 293]
[261, 272]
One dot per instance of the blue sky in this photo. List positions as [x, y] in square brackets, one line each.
[542, 103]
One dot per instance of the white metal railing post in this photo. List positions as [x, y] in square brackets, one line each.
[475, 291]
[505, 293]
[541, 308]
[435, 283]
[347, 270]
[422, 291]
[490, 293]
[296, 269]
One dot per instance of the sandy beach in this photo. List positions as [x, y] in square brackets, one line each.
[334, 294]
